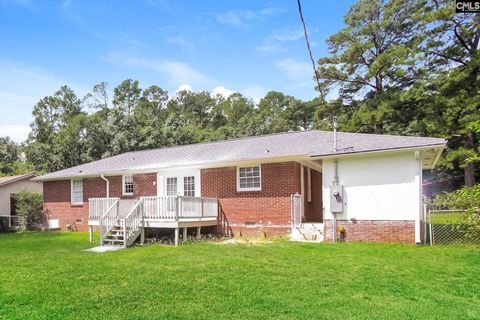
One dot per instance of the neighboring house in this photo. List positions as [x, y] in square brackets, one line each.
[9, 186]
[296, 184]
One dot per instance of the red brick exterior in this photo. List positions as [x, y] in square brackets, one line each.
[401, 231]
[266, 211]
[57, 204]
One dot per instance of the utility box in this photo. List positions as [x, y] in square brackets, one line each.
[336, 198]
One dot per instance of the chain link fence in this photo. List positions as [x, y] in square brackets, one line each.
[450, 226]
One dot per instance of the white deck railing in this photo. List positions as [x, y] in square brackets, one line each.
[166, 208]
[98, 206]
[132, 222]
[108, 220]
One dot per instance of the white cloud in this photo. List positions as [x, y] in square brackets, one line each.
[242, 18]
[17, 133]
[181, 41]
[184, 87]
[177, 72]
[21, 87]
[277, 41]
[254, 92]
[222, 91]
[294, 69]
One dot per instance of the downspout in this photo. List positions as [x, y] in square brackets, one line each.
[335, 178]
[108, 185]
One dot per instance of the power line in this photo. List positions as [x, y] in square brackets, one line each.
[309, 49]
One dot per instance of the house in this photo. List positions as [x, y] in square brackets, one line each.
[9, 186]
[302, 184]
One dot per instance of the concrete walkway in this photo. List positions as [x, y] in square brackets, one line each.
[102, 249]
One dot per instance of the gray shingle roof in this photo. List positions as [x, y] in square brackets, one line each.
[11, 179]
[303, 143]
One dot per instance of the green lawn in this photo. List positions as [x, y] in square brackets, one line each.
[47, 276]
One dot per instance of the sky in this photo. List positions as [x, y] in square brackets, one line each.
[246, 46]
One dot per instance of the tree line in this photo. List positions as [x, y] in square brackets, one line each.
[408, 67]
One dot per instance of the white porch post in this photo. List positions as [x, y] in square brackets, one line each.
[184, 234]
[142, 236]
[90, 230]
[177, 234]
[199, 235]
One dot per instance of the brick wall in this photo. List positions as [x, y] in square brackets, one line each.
[267, 210]
[57, 204]
[402, 231]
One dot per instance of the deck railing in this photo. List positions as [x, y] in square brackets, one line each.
[172, 208]
[168, 208]
[98, 206]
[108, 220]
[132, 222]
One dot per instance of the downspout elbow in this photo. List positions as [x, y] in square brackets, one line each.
[108, 185]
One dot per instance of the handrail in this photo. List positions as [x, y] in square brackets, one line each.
[132, 222]
[140, 201]
[98, 206]
[107, 222]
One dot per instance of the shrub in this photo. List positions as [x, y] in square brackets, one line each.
[30, 209]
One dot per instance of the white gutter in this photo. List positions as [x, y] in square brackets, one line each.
[108, 185]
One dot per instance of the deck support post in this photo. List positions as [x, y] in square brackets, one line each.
[90, 231]
[199, 235]
[184, 234]
[177, 234]
[142, 236]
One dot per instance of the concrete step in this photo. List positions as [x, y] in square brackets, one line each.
[308, 232]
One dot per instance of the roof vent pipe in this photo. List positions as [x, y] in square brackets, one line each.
[335, 134]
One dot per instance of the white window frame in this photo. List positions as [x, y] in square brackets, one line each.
[123, 185]
[71, 193]
[191, 184]
[239, 189]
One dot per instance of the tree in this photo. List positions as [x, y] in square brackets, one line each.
[52, 117]
[373, 57]
[451, 49]
[8, 156]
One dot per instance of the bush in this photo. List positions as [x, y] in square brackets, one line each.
[30, 210]
[467, 199]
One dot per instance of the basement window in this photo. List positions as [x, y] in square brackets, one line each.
[76, 196]
[127, 185]
[249, 178]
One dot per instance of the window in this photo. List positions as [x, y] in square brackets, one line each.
[76, 196]
[127, 185]
[189, 186]
[249, 179]
[172, 186]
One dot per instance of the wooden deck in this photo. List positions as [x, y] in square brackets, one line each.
[122, 221]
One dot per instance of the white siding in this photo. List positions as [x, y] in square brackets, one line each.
[15, 187]
[377, 187]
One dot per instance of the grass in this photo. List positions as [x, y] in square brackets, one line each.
[48, 276]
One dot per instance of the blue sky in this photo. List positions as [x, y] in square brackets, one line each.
[250, 47]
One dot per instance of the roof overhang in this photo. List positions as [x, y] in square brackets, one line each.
[26, 176]
[431, 153]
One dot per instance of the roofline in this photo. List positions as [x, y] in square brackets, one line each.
[19, 178]
[208, 165]
[333, 155]
[220, 164]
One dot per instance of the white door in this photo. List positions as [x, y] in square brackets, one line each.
[179, 183]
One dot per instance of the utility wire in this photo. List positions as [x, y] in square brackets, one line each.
[309, 49]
